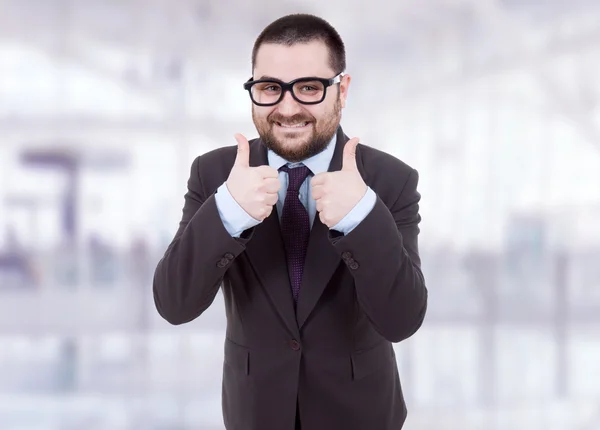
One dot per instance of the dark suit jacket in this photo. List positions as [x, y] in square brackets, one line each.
[360, 292]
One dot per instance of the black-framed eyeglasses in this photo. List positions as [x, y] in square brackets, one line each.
[308, 91]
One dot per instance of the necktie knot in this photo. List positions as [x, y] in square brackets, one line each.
[296, 176]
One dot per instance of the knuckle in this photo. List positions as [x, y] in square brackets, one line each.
[256, 191]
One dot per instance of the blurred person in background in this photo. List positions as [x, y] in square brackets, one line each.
[313, 239]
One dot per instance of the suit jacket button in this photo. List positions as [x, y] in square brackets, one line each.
[295, 345]
[229, 256]
[354, 265]
[222, 263]
[346, 256]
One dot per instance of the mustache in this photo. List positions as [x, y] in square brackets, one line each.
[290, 120]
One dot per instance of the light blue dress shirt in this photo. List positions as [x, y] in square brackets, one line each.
[236, 220]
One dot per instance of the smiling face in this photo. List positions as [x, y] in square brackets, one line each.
[293, 130]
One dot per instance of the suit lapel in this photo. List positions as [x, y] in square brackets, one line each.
[321, 258]
[267, 254]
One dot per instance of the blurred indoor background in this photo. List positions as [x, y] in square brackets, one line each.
[105, 103]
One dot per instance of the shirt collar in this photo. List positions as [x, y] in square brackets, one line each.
[318, 163]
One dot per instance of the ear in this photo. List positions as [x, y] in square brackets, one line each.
[344, 84]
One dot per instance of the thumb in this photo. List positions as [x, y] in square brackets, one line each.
[349, 157]
[242, 158]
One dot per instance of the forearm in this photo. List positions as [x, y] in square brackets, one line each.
[389, 284]
[189, 275]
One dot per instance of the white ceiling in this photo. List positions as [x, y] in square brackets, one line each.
[142, 50]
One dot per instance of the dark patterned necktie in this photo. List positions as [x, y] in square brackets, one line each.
[295, 226]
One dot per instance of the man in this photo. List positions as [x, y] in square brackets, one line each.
[313, 240]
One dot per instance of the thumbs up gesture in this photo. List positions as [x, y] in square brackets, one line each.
[336, 193]
[253, 188]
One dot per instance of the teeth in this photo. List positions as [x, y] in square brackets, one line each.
[300, 124]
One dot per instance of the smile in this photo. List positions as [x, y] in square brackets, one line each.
[297, 125]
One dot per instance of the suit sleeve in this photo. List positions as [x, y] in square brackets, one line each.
[382, 255]
[188, 276]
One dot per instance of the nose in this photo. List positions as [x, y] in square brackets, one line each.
[288, 106]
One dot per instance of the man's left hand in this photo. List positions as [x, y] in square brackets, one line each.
[336, 193]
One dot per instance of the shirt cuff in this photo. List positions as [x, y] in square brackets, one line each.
[235, 219]
[358, 213]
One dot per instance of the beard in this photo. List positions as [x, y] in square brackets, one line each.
[322, 131]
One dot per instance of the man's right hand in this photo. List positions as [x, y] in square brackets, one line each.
[253, 188]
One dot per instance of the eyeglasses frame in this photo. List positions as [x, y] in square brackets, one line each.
[287, 86]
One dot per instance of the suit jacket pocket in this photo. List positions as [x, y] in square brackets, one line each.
[371, 360]
[237, 357]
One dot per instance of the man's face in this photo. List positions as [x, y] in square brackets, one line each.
[277, 125]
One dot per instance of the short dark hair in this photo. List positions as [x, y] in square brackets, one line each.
[304, 28]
